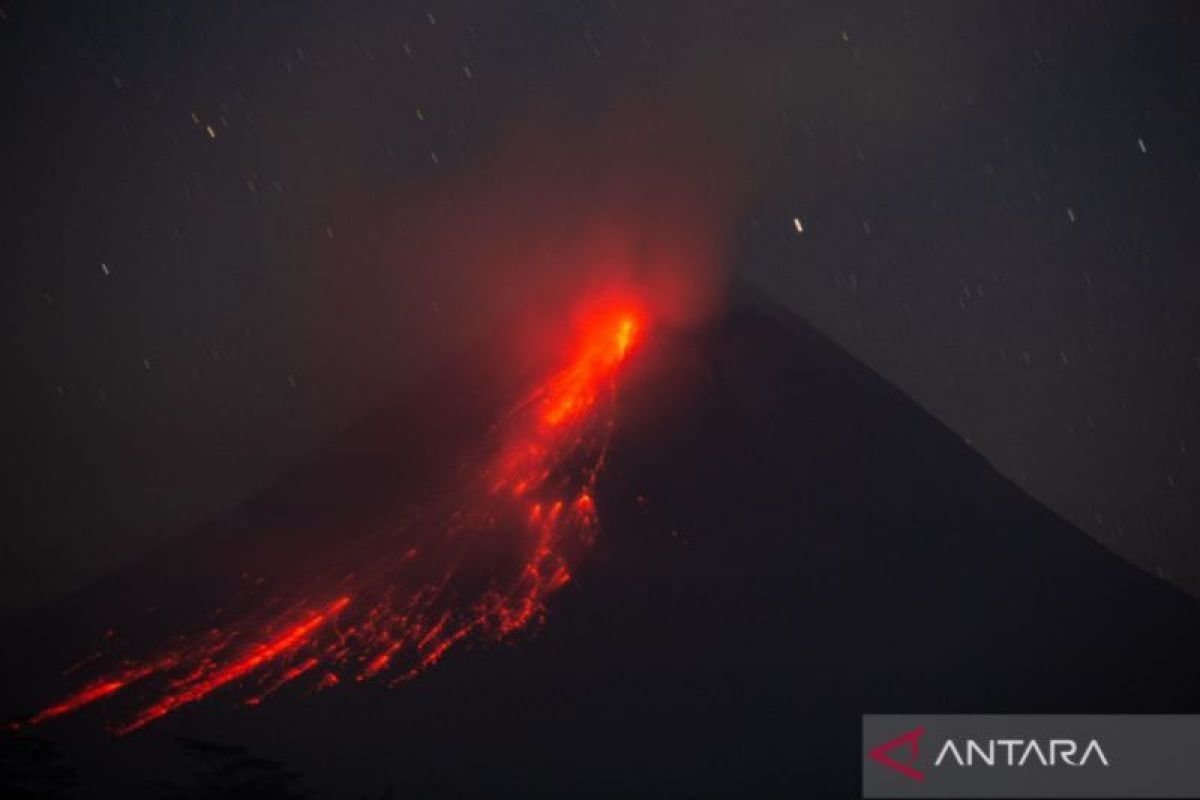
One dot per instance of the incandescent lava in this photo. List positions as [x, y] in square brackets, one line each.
[481, 565]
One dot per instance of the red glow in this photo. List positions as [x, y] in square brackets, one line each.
[532, 491]
[575, 389]
[258, 656]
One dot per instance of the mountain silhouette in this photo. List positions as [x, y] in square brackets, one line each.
[786, 542]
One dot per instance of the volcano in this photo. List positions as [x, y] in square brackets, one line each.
[782, 543]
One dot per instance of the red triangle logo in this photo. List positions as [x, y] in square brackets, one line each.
[913, 740]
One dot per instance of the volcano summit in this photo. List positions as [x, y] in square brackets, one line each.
[750, 539]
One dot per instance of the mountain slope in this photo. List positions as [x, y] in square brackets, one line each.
[786, 542]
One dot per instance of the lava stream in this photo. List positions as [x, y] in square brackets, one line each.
[484, 566]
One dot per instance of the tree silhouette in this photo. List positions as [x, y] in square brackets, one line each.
[230, 771]
[31, 767]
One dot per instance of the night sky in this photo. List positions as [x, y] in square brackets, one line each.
[230, 230]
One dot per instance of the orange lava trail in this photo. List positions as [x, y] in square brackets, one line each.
[258, 657]
[400, 612]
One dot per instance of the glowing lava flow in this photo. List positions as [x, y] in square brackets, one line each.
[482, 565]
